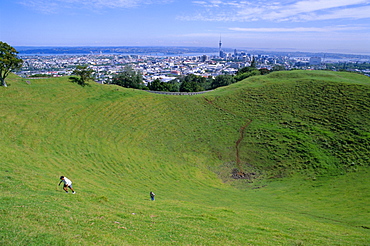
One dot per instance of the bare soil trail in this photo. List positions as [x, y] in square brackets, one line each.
[237, 144]
[237, 173]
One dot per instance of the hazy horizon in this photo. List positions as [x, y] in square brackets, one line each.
[24, 48]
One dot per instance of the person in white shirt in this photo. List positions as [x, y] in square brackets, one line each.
[67, 184]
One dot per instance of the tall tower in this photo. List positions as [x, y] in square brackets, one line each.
[220, 44]
[221, 53]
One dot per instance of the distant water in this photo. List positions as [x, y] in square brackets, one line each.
[175, 52]
[124, 50]
[121, 54]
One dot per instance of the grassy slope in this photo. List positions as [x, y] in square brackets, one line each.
[118, 144]
[316, 122]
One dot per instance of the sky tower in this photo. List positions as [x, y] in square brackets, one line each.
[220, 44]
[221, 53]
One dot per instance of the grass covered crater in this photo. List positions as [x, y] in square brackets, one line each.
[301, 136]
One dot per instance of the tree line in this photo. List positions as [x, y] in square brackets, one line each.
[130, 78]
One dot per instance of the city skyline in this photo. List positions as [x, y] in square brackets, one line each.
[336, 26]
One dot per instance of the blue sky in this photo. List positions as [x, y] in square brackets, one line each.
[341, 26]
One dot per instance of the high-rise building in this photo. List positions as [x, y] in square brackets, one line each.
[221, 53]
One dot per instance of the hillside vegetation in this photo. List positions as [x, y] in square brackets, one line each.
[299, 140]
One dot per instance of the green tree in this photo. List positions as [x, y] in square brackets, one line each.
[158, 85]
[8, 61]
[208, 83]
[155, 85]
[192, 83]
[264, 71]
[174, 85]
[84, 73]
[246, 72]
[254, 62]
[129, 78]
[222, 80]
[278, 68]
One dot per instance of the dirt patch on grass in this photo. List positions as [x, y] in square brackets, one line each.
[236, 174]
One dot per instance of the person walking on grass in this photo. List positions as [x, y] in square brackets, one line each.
[152, 195]
[67, 184]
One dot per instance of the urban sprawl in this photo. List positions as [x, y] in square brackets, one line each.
[167, 68]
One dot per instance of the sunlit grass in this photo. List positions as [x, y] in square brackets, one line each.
[119, 144]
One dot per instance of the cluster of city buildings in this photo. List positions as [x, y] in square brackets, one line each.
[165, 68]
[151, 67]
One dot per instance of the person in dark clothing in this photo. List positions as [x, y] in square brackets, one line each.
[152, 195]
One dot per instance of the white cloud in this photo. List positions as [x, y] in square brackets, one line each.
[305, 10]
[320, 9]
[309, 6]
[43, 6]
[121, 3]
[352, 13]
[48, 6]
[297, 29]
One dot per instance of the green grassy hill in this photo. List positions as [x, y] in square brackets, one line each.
[303, 143]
